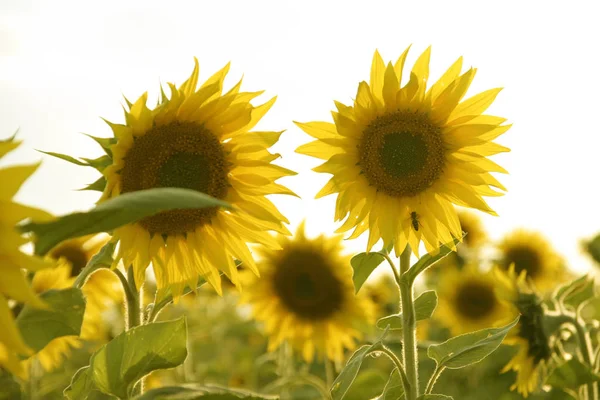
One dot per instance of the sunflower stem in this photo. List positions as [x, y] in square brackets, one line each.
[392, 266]
[398, 364]
[329, 372]
[585, 346]
[409, 327]
[434, 377]
[134, 311]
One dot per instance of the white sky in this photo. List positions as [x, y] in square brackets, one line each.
[65, 64]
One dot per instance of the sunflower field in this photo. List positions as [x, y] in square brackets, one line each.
[356, 250]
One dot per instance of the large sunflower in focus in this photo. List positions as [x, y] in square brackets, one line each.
[532, 253]
[534, 351]
[101, 290]
[305, 296]
[468, 300]
[200, 139]
[402, 156]
[13, 282]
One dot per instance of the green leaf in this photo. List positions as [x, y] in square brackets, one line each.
[113, 213]
[434, 397]
[576, 291]
[344, 380]
[428, 260]
[103, 259]
[82, 387]
[590, 309]
[583, 293]
[470, 348]
[571, 375]
[193, 392]
[363, 265]
[63, 318]
[393, 389]
[66, 158]
[425, 305]
[117, 366]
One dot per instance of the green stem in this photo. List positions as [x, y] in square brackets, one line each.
[585, 345]
[392, 266]
[409, 327]
[434, 377]
[329, 372]
[134, 311]
[399, 367]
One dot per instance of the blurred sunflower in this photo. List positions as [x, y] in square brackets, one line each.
[383, 293]
[472, 226]
[534, 351]
[101, 290]
[305, 296]
[55, 352]
[468, 301]
[197, 139]
[402, 156]
[13, 282]
[532, 253]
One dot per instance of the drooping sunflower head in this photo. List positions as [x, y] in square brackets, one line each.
[13, 282]
[531, 252]
[401, 156]
[101, 290]
[199, 139]
[534, 344]
[468, 300]
[472, 226]
[306, 296]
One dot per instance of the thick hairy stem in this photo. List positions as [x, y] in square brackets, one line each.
[585, 345]
[409, 329]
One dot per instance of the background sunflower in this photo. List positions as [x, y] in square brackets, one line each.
[305, 296]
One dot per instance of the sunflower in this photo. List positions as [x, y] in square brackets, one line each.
[197, 139]
[306, 296]
[55, 352]
[13, 282]
[101, 290]
[468, 301]
[532, 253]
[534, 350]
[401, 156]
[383, 293]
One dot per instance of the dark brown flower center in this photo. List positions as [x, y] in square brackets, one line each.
[525, 259]
[179, 154]
[74, 254]
[305, 283]
[476, 300]
[402, 153]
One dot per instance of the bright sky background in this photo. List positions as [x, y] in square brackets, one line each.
[65, 64]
